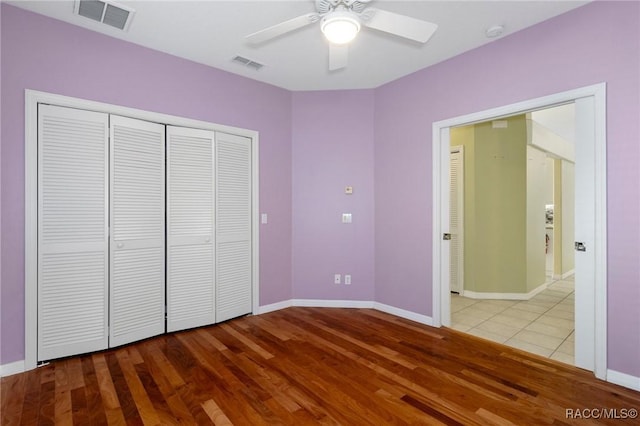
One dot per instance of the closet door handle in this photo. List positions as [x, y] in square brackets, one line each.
[207, 239]
[120, 245]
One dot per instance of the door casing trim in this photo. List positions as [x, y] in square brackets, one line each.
[440, 187]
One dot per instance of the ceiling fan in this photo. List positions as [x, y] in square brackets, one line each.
[340, 22]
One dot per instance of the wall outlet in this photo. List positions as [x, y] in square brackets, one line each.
[347, 279]
[336, 279]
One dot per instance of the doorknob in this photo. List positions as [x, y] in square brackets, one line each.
[446, 237]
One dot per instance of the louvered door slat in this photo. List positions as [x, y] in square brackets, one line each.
[456, 212]
[233, 226]
[137, 230]
[190, 264]
[72, 234]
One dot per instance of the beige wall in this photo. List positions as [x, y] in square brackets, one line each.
[495, 232]
[507, 184]
[568, 218]
[564, 218]
[537, 192]
[500, 201]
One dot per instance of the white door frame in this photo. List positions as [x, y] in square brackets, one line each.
[32, 99]
[591, 343]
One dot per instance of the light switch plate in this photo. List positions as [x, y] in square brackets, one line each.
[346, 218]
[263, 218]
[348, 190]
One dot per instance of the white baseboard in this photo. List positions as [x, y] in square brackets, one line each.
[565, 275]
[274, 307]
[362, 304]
[505, 296]
[402, 313]
[314, 303]
[11, 368]
[623, 379]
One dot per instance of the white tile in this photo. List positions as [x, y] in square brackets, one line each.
[549, 330]
[489, 307]
[539, 339]
[499, 328]
[567, 347]
[531, 307]
[467, 319]
[460, 326]
[554, 293]
[475, 312]
[557, 322]
[568, 306]
[562, 357]
[547, 298]
[526, 346]
[503, 303]
[519, 313]
[519, 323]
[459, 302]
[487, 335]
[558, 313]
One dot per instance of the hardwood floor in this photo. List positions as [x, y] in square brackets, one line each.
[303, 366]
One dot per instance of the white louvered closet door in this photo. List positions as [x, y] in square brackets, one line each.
[456, 221]
[233, 226]
[72, 231]
[190, 229]
[137, 293]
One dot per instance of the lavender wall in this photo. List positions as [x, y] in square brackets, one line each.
[44, 54]
[333, 148]
[373, 138]
[595, 43]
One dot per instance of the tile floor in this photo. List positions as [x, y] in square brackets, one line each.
[542, 325]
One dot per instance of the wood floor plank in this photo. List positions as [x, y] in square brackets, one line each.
[156, 364]
[110, 401]
[310, 366]
[216, 415]
[12, 392]
[95, 408]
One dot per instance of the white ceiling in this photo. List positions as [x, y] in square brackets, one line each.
[212, 33]
[561, 120]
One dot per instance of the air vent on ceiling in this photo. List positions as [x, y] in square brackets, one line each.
[248, 62]
[105, 11]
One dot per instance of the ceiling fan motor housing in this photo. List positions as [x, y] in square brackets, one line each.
[326, 6]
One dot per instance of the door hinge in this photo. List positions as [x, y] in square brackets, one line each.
[446, 236]
[580, 246]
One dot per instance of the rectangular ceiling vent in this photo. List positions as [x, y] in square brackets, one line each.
[105, 11]
[248, 62]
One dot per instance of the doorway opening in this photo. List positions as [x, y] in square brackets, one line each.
[590, 217]
[512, 231]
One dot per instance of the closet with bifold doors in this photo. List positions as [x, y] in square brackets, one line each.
[143, 228]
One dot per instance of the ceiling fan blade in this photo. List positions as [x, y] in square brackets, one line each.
[400, 25]
[338, 56]
[282, 28]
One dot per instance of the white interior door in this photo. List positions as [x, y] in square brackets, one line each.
[590, 216]
[72, 231]
[585, 232]
[233, 226]
[456, 213]
[190, 228]
[137, 291]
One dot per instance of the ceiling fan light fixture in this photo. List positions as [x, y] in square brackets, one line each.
[340, 27]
